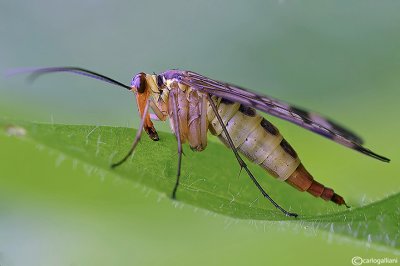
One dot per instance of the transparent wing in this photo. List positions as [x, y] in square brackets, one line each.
[303, 118]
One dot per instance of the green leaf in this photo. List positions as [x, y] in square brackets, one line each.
[210, 180]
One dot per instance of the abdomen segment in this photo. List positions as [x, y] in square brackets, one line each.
[260, 141]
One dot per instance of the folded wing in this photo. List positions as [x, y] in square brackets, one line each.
[303, 118]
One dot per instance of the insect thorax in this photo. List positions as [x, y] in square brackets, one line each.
[191, 108]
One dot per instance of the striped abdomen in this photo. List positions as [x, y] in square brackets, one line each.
[260, 141]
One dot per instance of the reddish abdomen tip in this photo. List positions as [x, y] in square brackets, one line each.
[302, 180]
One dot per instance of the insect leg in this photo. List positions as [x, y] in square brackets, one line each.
[154, 117]
[137, 137]
[178, 138]
[242, 163]
[158, 114]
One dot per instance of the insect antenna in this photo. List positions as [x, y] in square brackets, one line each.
[137, 137]
[242, 163]
[37, 72]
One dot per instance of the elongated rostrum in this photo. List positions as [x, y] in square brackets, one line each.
[196, 104]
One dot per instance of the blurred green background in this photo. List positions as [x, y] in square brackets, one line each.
[340, 58]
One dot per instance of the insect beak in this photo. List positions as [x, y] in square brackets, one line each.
[142, 100]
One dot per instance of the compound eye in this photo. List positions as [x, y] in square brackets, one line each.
[139, 82]
[160, 81]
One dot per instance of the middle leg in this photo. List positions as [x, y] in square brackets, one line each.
[178, 138]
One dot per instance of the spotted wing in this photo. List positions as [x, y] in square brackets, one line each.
[305, 119]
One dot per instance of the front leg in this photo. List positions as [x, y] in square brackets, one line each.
[137, 138]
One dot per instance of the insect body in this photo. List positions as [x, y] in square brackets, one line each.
[261, 142]
[196, 104]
